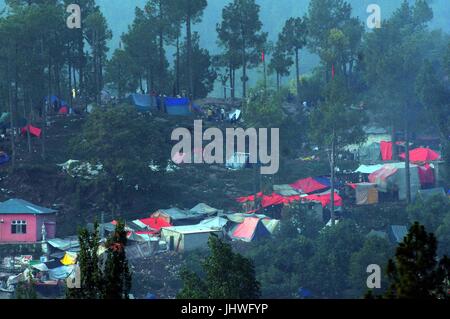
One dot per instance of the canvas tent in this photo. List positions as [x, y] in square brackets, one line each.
[393, 177]
[142, 102]
[204, 209]
[177, 106]
[251, 229]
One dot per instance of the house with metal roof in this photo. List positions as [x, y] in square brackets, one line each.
[24, 222]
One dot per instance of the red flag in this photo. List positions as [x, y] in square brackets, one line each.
[333, 72]
[263, 57]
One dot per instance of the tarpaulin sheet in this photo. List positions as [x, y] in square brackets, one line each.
[250, 198]
[426, 175]
[155, 223]
[309, 185]
[35, 131]
[419, 155]
[386, 150]
[170, 101]
[60, 273]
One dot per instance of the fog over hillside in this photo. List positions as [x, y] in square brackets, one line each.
[274, 13]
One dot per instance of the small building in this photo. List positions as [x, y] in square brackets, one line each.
[178, 217]
[24, 222]
[187, 238]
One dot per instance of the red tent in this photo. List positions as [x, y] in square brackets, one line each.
[155, 223]
[422, 155]
[35, 131]
[63, 110]
[309, 185]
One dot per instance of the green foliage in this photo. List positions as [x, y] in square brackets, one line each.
[375, 251]
[335, 121]
[125, 142]
[204, 75]
[228, 275]
[429, 213]
[117, 275]
[26, 289]
[241, 36]
[416, 272]
[263, 109]
[329, 267]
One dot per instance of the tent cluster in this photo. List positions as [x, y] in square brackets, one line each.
[176, 106]
[312, 189]
[183, 230]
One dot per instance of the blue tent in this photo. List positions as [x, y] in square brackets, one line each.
[142, 102]
[4, 158]
[177, 106]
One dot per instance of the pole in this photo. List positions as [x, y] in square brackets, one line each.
[407, 165]
[332, 164]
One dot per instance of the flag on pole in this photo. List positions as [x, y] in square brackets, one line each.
[263, 57]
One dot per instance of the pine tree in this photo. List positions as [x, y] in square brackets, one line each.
[91, 281]
[292, 39]
[416, 272]
[117, 276]
[228, 275]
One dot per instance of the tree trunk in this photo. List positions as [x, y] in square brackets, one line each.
[278, 82]
[29, 123]
[244, 69]
[297, 70]
[11, 122]
[189, 55]
[178, 66]
[333, 165]
[394, 142]
[407, 165]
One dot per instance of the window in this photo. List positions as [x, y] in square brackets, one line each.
[19, 227]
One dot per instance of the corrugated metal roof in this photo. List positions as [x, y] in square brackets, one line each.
[20, 206]
[190, 229]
